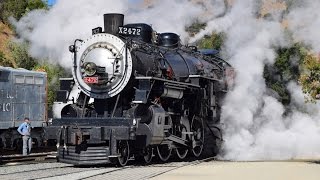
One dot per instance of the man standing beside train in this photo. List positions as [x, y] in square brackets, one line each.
[25, 130]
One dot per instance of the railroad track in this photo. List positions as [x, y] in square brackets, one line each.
[55, 170]
[34, 157]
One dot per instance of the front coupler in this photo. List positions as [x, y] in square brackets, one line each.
[85, 141]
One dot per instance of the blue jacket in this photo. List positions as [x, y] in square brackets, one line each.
[24, 129]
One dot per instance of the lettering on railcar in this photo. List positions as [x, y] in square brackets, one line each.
[5, 107]
[6, 94]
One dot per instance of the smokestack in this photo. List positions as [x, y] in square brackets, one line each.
[112, 22]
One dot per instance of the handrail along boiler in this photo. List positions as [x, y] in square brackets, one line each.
[139, 93]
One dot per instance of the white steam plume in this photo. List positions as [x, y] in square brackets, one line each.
[168, 16]
[304, 23]
[50, 33]
[256, 126]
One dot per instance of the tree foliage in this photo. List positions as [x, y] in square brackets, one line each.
[24, 60]
[54, 72]
[18, 8]
[310, 78]
[195, 28]
[286, 68]
[19, 53]
[4, 61]
[35, 4]
[2, 58]
[19, 50]
[214, 41]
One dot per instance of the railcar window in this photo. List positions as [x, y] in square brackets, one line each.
[4, 75]
[38, 80]
[19, 79]
[29, 79]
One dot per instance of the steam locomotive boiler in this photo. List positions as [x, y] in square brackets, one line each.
[138, 93]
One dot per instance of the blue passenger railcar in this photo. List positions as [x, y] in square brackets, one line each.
[23, 93]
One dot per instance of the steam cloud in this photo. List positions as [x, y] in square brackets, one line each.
[50, 33]
[256, 126]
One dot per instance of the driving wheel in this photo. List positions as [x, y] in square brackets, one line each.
[124, 153]
[164, 152]
[182, 152]
[198, 137]
[146, 156]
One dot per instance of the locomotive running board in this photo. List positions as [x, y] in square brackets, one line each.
[209, 78]
[166, 80]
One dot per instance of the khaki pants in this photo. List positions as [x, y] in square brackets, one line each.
[27, 144]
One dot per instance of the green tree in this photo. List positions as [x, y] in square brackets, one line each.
[2, 58]
[214, 41]
[4, 61]
[54, 72]
[310, 77]
[24, 60]
[283, 71]
[35, 4]
[20, 55]
[195, 28]
[18, 8]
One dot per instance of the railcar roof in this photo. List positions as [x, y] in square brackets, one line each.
[20, 70]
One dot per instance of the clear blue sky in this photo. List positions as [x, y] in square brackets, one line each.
[51, 2]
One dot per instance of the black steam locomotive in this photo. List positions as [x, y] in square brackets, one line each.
[138, 93]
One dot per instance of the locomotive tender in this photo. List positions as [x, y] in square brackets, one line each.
[23, 94]
[139, 93]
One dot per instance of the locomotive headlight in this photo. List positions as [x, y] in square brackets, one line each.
[90, 68]
[134, 122]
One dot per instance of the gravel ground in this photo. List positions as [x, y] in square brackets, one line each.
[69, 172]
[293, 170]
